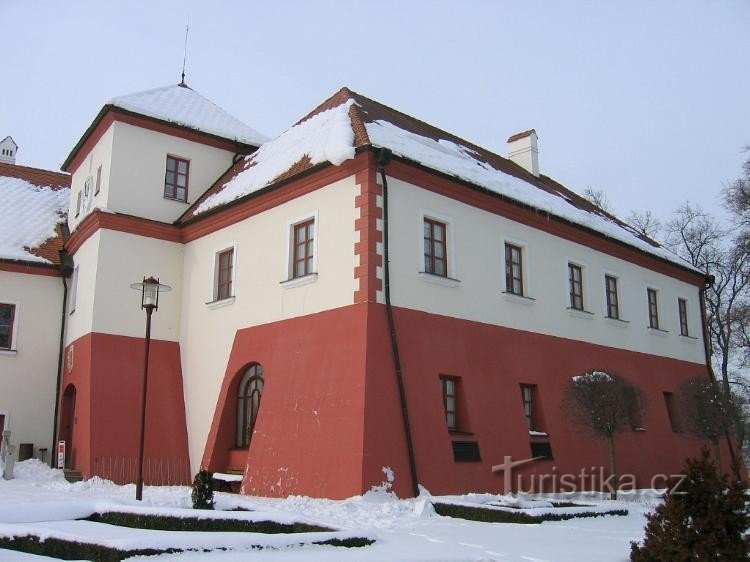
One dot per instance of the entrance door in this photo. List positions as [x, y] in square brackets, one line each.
[67, 421]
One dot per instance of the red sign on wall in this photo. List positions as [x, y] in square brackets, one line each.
[61, 454]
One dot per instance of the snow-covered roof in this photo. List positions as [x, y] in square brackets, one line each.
[348, 120]
[33, 203]
[184, 106]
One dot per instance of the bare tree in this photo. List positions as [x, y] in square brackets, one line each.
[737, 195]
[646, 223]
[697, 237]
[602, 405]
[599, 198]
[737, 202]
[707, 412]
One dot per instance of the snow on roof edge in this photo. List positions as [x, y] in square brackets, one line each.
[223, 124]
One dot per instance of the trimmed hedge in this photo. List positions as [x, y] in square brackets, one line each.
[72, 550]
[486, 515]
[206, 525]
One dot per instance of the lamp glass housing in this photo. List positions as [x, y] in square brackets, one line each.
[150, 289]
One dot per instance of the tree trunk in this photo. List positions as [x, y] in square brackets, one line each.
[717, 452]
[612, 465]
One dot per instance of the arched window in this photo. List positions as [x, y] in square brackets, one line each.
[248, 403]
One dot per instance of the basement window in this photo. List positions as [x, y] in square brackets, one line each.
[466, 451]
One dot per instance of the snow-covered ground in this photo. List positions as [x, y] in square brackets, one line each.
[39, 501]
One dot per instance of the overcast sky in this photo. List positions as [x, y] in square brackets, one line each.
[649, 101]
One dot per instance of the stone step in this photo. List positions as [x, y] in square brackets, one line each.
[72, 475]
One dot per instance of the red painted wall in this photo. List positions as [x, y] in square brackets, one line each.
[330, 418]
[308, 437]
[107, 372]
[493, 362]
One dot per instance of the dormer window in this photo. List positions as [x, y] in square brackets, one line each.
[176, 178]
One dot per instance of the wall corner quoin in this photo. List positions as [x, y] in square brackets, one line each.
[369, 227]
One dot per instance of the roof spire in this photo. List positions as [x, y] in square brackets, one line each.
[184, 52]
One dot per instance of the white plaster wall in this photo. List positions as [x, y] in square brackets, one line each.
[108, 262]
[84, 283]
[476, 241]
[28, 375]
[100, 155]
[124, 259]
[137, 172]
[261, 266]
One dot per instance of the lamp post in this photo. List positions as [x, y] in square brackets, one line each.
[150, 289]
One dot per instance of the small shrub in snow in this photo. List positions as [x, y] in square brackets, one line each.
[703, 519]
[203, 492]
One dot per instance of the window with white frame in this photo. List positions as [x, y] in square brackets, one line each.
[613, 299]
[7, 326]
[98, 187]
[223, 282]
[575, 286]
[682, 308]
[653, 308]
[302, 246]
[435, 247]
[176, 178]
[73, 291]
[514, 269]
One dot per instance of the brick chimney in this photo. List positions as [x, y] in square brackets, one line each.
[8, 149]
[523, 150]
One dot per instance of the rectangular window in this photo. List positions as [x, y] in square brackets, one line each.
[79, 199]
[528, 395]
[176, 178]
[72, 295]
[513, 270]
[613, 302]
[450, 401]
[674, 421]
[435, 249]
[224, 273]
[682, 306]
[575, 280]
[7, 319]
[653, 309]
[98, 180]
[303, 239]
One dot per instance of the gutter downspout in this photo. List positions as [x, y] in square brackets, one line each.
[710, 279]
[382, 158]
[65, 269]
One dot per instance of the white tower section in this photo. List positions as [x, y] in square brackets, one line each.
[8, 149]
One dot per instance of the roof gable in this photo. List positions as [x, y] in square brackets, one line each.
[183, 106]
[178, 108]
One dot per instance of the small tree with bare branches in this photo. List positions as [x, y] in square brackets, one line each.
[602, 405]
[707, 412]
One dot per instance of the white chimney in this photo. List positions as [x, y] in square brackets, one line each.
[8, 149]
[523, 150]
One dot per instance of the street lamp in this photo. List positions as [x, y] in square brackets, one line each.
[150, 289]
